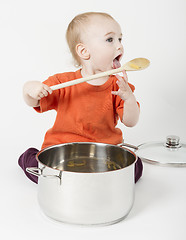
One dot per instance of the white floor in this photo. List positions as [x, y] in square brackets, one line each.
[159, 210]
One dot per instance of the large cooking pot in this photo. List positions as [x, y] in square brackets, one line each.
[85, 183]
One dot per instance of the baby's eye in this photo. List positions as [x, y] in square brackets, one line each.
[120, 39]
[110, 39]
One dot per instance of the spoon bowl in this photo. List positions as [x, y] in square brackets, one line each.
[136, 64]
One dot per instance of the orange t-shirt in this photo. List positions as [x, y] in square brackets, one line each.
[85, 113]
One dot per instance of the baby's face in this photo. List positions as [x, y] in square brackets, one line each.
[103, 39]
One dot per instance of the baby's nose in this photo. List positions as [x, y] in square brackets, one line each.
[119, 45]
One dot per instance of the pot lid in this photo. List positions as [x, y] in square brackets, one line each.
[171, 152]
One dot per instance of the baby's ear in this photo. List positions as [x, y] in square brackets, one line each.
[82, 51]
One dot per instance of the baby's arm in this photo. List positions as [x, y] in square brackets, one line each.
[131, 109]
[33, 91]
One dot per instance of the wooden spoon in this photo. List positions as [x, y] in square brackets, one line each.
[133, 65]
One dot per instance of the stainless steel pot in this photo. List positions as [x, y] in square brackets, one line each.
[85, 183]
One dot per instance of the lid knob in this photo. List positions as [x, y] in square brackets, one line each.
[173, 141]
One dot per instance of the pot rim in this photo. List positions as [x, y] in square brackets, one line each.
[95, 143]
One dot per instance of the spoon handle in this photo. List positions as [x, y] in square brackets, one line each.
[85, 79]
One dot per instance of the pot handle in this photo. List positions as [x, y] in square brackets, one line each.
[34, 171]
[38, 172]
[128, 145]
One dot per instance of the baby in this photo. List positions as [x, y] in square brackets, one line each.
[87, 112]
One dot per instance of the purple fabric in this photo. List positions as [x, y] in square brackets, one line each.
[138, 169]
[28, 159]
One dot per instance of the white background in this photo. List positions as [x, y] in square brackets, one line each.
[33, 47]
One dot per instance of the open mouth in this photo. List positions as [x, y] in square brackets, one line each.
[116, 61]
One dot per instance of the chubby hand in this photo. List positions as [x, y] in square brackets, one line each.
[124, 91]
[37, 90]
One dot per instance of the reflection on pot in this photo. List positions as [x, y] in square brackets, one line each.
[90, 165]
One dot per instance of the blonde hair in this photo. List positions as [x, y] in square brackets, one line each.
[73, 33]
